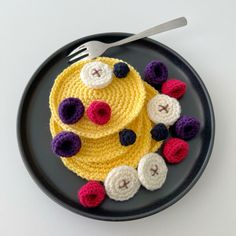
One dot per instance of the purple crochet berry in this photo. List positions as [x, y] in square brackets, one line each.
[71, 110]
[155, 73]
[127, 137]
[159, 132]
[66, 144]
[186, 127]
[121, 69]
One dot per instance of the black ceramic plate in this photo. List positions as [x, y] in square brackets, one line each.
[61, 184]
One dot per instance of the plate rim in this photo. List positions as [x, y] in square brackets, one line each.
[46, 189]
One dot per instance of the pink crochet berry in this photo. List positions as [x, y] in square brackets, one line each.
[99, 112]
[174, 88]
[175, 150]
[91, 194]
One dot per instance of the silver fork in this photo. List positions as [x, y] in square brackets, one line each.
[92, 49]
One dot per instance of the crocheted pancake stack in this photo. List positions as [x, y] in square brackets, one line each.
[107, 124]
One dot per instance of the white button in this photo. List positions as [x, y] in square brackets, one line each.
[152, 171]
[122, 183]
[163, 109]
[96, 75]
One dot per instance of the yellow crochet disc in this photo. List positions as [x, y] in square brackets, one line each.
[125, 96]
[155, 145]
[90, 163]
[105, 148]
[98, 171]
[108, 147]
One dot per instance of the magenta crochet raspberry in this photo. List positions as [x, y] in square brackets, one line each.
[91, 194]
[66, 144]
[155, 73]
[71, 110]
[101, 83]
[175, 150]
[99, 112]
[187, 127]
[174, 88]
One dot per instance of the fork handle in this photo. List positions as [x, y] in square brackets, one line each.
[169, 25]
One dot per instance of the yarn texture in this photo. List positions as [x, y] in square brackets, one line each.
[96, 75]
[66, 144]
[127, 137]
[187, 127]
[159, 132]
[107, 152]
[126, 98]
[108, 148]
[175, 150]
[174, 88]
[122, 183]
[99, 112]
[100, 167]
[155, 73]
[71, 110]
[152, 171]
[163, 109]
[121, 69]
[107, 125]
[91, 194]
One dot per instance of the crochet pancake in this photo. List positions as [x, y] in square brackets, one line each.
[125, 96]
[98, 156]
[103, 149]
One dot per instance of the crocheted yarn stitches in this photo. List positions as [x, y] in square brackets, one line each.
[122, 183]
[98, 170]
[99, 159]
[126, 98]
[99, 112]
[159, 132]
[155, 73]
[152, 171]
[96, 75]
[174, 88]
[175, 150]
[104, 149]
[187, 127]
[163, 109]
[150, 93]
[66, 144]
[91, 194]
[71, 110]
[121, 69]
[127, 137]
[107, 148]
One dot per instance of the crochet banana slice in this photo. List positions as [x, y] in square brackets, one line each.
[152, 171]
[122, 183]
[96, 75]
[163, 109]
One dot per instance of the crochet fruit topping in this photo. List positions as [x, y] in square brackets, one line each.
[107, 125]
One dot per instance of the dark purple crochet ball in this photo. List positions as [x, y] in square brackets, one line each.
[186, 127]
[155, 73]
[66, 144]
[71, 110]
[159, 132]
[121, 69]
[127, 137]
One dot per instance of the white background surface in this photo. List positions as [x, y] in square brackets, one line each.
[32, 30]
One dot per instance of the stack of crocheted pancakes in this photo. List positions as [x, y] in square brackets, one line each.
[107, 124]
[100, 108]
